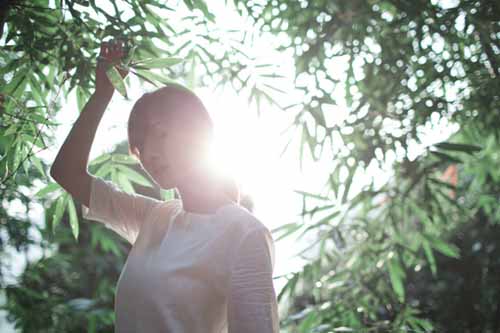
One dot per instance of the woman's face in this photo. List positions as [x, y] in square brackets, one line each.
[163, 154]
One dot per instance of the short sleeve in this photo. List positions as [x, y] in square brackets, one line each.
[120, 211]
[252, 305]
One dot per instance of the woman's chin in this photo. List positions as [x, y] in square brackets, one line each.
[163, 182]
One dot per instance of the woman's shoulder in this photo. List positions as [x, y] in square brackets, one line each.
[166, 209]
[239, 221]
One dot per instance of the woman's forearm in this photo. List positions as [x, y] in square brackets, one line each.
[73, 155]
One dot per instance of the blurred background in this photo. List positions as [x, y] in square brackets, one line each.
[364, 134]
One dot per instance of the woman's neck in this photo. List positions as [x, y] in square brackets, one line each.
[203, 193]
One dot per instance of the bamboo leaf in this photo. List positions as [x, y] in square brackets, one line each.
[156, 63]
[125, 183]
[288, 229]
[311, 195]
[447, 249]
[116, 79]
[153, 77]
[396, 274]
[469, 149]
[104, 170]
[100, 159]
[446, 157]
[51, 187]
[73, 218]
[38, 165]
[123, 158]
[59, 211]
[430, 256]
[134, 176]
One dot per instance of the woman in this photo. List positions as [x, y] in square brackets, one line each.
[201, 263]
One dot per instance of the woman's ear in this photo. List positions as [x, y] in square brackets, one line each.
[134, 152]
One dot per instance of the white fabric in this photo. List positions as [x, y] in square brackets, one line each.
[188, 272]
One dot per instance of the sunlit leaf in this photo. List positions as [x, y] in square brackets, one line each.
[59, 211]
[122, 158]
[73, 218]
[104, 157]
[51, 187]
[156, 63]
[134, 176]
[38, 165]
[116, 79]
[125, 183]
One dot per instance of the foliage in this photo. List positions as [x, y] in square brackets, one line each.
[399, 70]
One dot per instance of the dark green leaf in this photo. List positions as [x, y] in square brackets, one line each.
[458, 147]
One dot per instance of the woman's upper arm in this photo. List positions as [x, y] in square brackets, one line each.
[252, 305]
[121, 211]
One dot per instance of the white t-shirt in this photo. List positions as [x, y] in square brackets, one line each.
[188, 272]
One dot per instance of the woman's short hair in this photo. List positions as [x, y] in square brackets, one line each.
[182, 107]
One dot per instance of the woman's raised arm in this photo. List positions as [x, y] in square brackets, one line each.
[70, 166]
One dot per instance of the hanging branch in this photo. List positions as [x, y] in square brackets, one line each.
[37, 135]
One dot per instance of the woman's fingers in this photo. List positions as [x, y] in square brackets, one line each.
[116, 49]
[104, 50]
[112, 50]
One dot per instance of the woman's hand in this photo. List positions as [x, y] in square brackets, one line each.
[111, 54]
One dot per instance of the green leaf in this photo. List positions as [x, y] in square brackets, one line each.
[134, 176]
[100, 159]
[347, 184]
[47, 189]
[167, 194]
[59, 211]
[104, 169]
[12, 129]
[201, 5]
[125, 183]
[307, 323]
[81, 98]
[469, 149]
[16, 85]
[288, 228]
[38, 165]
[153, 78]
[116, 79]
[324, 220]
[73, 218]
[156, 63]
[289, 286]
[447, 249]
[446, 157]
[123, 158]
[397, 274]
[189, 4]
[130, 56]
[312, 195]
[430, 256]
